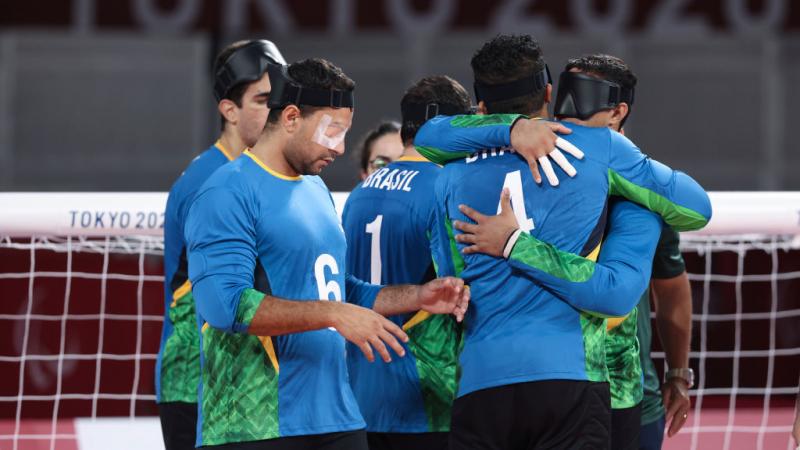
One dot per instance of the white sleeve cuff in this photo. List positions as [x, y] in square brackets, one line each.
[510, 244]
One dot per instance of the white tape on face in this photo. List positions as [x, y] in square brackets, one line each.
[327, 134]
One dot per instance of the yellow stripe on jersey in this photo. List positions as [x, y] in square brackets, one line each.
[268, 169]
[419, 317]
[205, 327]
[614, 322]
[179, 293]
[413, 159]
[224, 150]
[594, 253]
[266, 341]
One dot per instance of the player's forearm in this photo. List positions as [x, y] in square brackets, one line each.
[276, 316]
[399, 299]
[608, 289]
[673, 302]
[445, 138]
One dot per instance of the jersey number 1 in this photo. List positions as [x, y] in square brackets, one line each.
[513, 182]
[374, 228]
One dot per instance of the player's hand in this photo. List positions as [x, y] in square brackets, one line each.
[536, 141]
[675, 395]
[444, 296]
[369, 330]
[489, 234]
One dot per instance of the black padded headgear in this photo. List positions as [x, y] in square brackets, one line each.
[582, 96]
[286, 91]
[245, 65]
[527, 85]
[416, 114]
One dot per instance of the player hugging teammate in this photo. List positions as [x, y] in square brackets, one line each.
[536, 362]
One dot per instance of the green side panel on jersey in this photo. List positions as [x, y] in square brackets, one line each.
[240, 389]
[545, 257]
[484, 120]
[594, 336]
[438, 156]
[180, 362]
[458, 259]
[434, 343]
[249, 302]
[678, 217]
[624, 366]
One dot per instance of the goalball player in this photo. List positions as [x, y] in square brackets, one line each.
[241, 88]
[266, 259]
[552, 365]
[388, 221]
[635, 399]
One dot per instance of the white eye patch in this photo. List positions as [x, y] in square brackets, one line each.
[327, 135]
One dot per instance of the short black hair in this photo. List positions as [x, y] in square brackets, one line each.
[506, 58]
[315, 73]
[605, 67]
[236, 92]
[439, 89]
[383, 128]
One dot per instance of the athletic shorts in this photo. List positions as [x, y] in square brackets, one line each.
[347, 440]
[178, 425]
[407, 441]
[551, 414]
[625, 426]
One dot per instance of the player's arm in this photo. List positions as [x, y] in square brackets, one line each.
[609, 287]
[221, 239]
[446, 138]
[675, 196]
[672, 296]
[440, 296]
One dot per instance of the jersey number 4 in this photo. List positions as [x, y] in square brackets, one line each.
[513, 182]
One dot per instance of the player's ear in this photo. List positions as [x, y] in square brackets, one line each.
[290, 118]
[228, 109]
[618, 114]
[548, 94]
[481, 108]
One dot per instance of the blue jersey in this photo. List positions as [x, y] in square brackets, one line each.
[252, 231]
[387, 221]
[516, 329]
[178, 364]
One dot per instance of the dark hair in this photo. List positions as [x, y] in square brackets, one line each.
[606, 67]
[236, 92]
[439, 89]
[315, 73]
[506, 58]
[383, 128]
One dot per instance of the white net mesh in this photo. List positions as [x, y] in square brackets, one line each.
[80, 321]
[83, 321]
[745, 341]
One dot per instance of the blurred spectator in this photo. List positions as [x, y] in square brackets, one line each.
[379, 147]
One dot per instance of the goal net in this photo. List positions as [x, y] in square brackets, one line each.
[81, 282]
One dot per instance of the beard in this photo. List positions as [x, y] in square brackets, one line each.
[305, 160]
